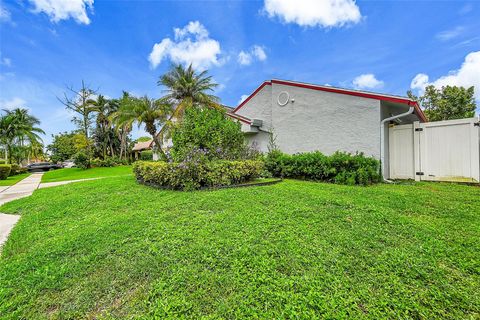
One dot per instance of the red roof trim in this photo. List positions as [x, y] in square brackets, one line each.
[239, 117]
[367, 95]
[266, 83]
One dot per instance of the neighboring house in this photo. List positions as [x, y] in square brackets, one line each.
[305, 117]
[141, 146]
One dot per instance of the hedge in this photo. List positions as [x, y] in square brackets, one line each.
[17, 169]
[340, 167]
[108, 162]
[196, 175]
[146, 155]
[5, 171]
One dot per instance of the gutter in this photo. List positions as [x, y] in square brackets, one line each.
[382, 137]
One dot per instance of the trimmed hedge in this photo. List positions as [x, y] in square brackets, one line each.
[146, 155]
[196, 175]
[340, 167]
[5, 171]
[16, 169]
[108, 162]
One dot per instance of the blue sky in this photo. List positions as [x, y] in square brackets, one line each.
[383, 46]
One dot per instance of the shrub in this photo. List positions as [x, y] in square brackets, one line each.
[2, 161]
[82, 160]
[16, 169]
[193, 175]
[108, 162]
[5, 171]
[211, 131]
[340, 167]
[146, 155]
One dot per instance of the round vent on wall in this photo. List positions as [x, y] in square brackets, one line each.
[283, 98]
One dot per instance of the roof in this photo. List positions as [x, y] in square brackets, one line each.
[139, 146]
[351, 92]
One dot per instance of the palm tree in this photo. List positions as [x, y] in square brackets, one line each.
[104, 134]
[19, 129]
[153, 113]
[187, 88]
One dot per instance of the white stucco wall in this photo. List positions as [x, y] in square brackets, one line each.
[259, 107]
[325, 121]
[319, 120]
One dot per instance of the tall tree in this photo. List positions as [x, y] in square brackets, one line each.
[19, 132]
[152, 113]
[82, 103]
[447, 103]
[186, 87]
[104, 134]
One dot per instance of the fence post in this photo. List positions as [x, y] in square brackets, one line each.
[416, 150]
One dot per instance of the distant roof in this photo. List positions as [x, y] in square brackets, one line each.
[358, 93]
[145, 145]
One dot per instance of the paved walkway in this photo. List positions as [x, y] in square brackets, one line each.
[22, 189]
[61, 183]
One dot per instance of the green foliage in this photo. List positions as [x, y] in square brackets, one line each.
[2, 161]
[17, 169]
[447, 103]
[146, 155]
[293, 250]
[340, 167]
[20, 134]
[62, 147]
[143, 139]
[66, 174]
[108, 162]
[5, 171]
[82, 160]
[208, 130]
[195, 175]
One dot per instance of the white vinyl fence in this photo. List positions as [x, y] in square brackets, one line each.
[436, 151]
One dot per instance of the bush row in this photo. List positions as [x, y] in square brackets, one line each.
[196, 175]
[5, 171]
[108, 162]
[340, 167]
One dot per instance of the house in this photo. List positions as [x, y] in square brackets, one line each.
[304, 117]
[141, 146]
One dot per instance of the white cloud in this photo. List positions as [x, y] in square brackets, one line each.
[367, 81]
[5, 15]
[243, 98]
[450, 34]
[468, 75]
[255, 53]
[311, 13]
[191, 45]
[59, 10]
[6, 62]
[13, 103]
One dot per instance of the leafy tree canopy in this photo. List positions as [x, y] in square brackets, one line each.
[210, 131]
[447, 103]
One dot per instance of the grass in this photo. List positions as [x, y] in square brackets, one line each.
[114, 249]
[10, 181]
[76, 173]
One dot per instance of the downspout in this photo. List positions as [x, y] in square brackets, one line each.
[382, 137]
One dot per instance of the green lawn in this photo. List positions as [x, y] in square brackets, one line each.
[10, 181]
[76, 173]
[114, 249]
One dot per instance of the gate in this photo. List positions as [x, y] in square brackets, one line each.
[436, 151]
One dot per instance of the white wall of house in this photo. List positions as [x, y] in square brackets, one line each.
[315, 120]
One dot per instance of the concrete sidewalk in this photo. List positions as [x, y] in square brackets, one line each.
[22, 189]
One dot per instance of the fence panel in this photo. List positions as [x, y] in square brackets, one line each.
[436, 151]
